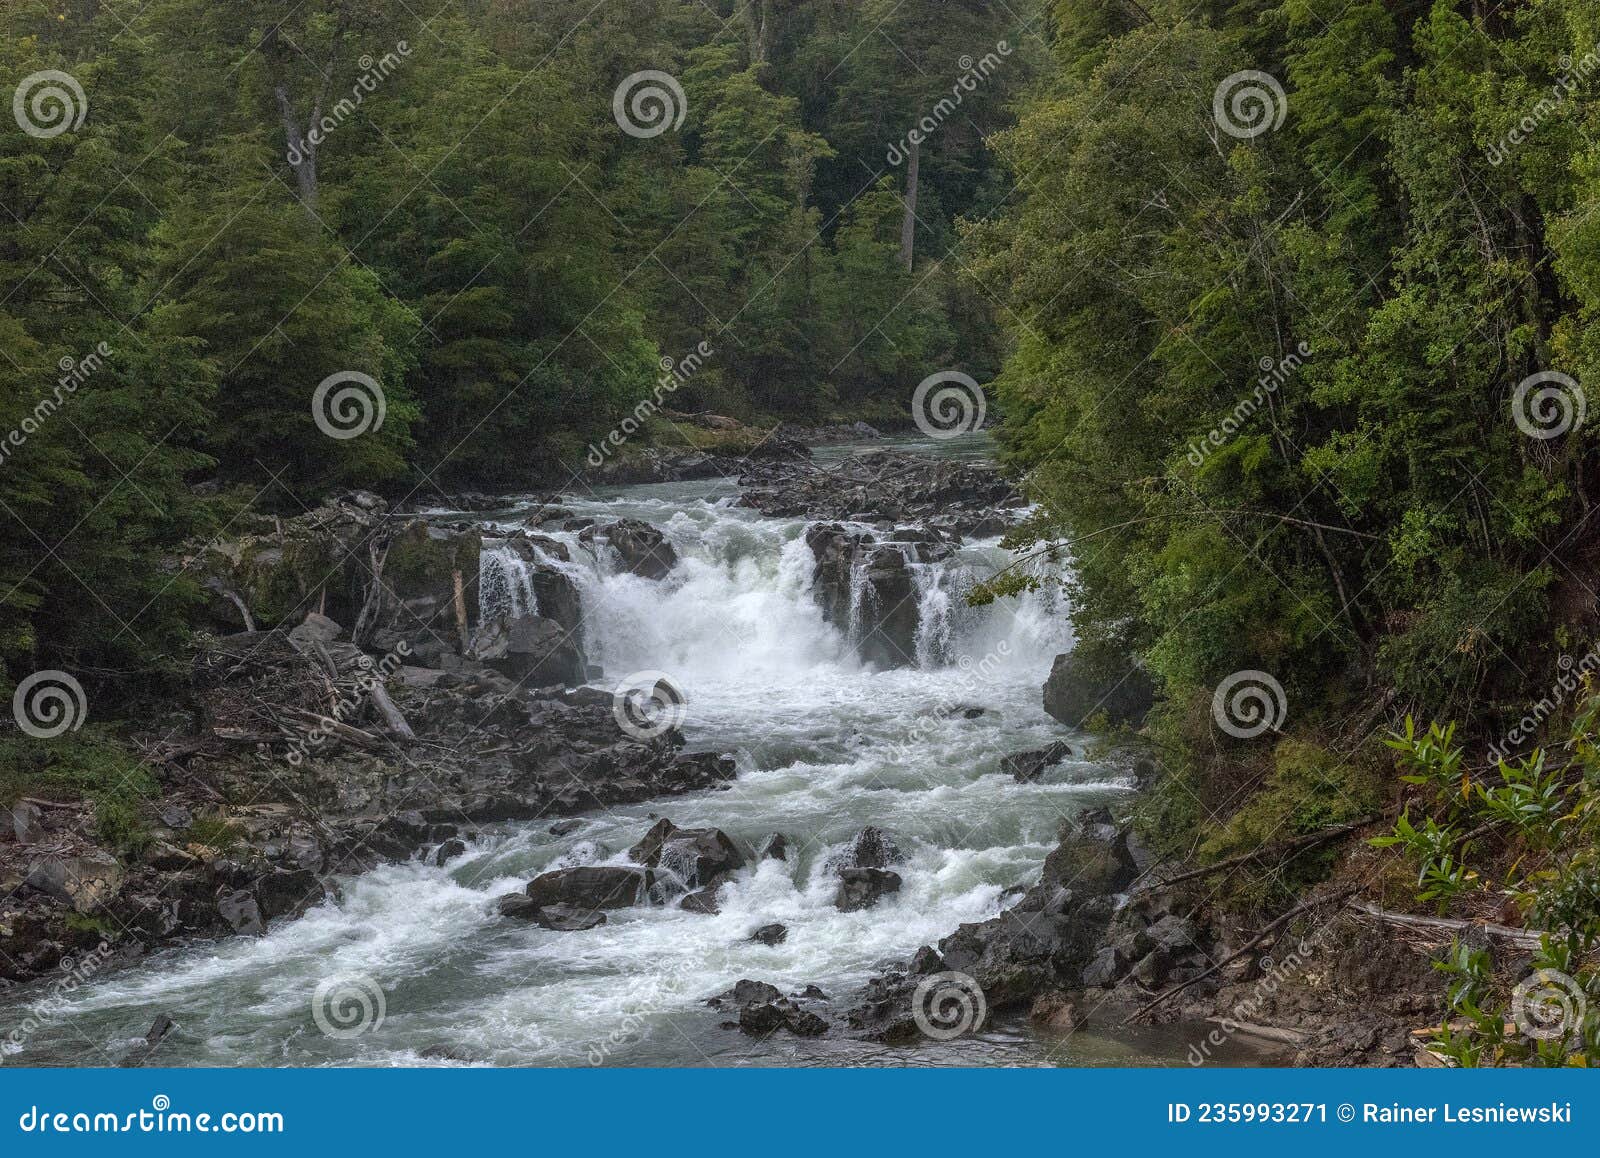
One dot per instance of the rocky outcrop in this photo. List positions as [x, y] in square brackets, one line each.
[1084, 683]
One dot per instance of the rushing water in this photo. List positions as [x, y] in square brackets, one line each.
[824, 745]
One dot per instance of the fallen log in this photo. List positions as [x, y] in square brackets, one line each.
[1523, 938]
[1265, 1032]
[393, 719]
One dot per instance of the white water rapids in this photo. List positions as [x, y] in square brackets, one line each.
[824, 746]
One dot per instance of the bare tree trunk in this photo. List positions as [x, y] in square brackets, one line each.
[302, 151]
[908, 226]
[758, 29]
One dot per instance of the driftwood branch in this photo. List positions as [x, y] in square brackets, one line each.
[1523, 938]
[393, 720]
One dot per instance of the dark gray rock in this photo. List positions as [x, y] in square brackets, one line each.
[862, 888]
[592, 887]
[1025, 767]
[773, 934]
[1085, 682]
[1104, 969]
[698, 856]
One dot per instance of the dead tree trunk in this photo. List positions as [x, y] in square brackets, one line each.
[908, 225]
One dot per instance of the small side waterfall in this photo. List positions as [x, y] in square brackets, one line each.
[505, 583]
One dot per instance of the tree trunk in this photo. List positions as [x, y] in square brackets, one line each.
[302, 152]
[908, 226]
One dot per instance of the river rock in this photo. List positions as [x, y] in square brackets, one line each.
[1083, 683]
[745, 992]
[240, 910]
[1104, 969]
[643, 549]
[592, 887]
[872, 848]
[862, 888]
[701, 901]
[774, 847]
[1093, 859]
[773, 934]
[767, 1018]
[1026, 767]
[700, 856]
[517, 905]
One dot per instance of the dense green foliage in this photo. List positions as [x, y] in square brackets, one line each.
[1349, 298]
[243, 200]
[1528, 834]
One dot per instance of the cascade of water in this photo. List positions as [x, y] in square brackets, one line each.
[505, 583]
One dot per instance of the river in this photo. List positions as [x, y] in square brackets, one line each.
[825, 745]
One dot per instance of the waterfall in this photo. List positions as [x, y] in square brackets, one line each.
[505, 583]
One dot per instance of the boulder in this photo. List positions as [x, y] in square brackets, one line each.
[701, 901]
[315, 629]
[1104, 969]
[890, 611]
[767, 1018]
[563, 827]
[773, 934]
[448, 851]
[872, 848]
[518, 905]
[1088, 681]
[862, 888]
[85, 882]
[745, 992]
[592, 887]
[1092, 858]
[774, 847]
[27, 822]
[698, 856]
